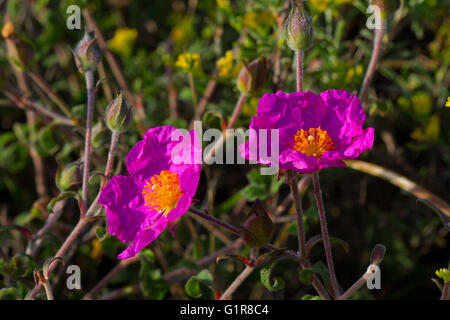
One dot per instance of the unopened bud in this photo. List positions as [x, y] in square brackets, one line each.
[377, 254]
[252, 76]
[68, 177]
[258, 228]
[118, 114]
[298, 27]
[87, 53]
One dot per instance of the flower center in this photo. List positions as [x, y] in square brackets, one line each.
[162, 192]
[314, 142]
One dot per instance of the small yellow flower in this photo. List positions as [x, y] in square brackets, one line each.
[8, 30]
[323, 5]
[183, 30]
[447, 104]
[188, 62]
[123, 41]
[350, 75]
[223, 4]
[97, 250]
[359, 70]
[431, 132]
[226, 65]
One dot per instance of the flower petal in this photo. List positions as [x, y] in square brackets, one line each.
[125, 208]
[143, 238]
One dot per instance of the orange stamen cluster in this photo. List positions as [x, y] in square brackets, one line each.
[313, 142]
[162, 192]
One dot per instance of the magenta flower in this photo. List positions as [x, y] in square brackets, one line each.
[158, 191]
[315, 131]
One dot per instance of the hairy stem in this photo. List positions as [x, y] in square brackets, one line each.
[237, 282]
[326, 238]
[48, 290]
[237, 111]
[65, 246]
[104, 282]
[299, 212]
[87, 144]
[299, 58]
[112, 150]
[359, 283]
[373, 64]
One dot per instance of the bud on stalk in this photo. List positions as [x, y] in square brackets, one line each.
[298, 27]
[68, 177]
[258, 228]
[118, 114]
[252, 76]
[87, 53]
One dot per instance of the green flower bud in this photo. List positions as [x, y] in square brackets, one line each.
[118, 114]
[258, 228]
[87, 53]
[252, 76]
[298, 28]
[68, 177]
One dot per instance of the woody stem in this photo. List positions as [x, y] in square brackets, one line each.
[326, 238]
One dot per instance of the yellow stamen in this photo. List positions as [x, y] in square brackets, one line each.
[162, 192]
[314, 142]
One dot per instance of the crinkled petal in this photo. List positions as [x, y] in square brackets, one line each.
[344, 118]
[144, 237]
[125, 208]
[359, 144]
[297, 161]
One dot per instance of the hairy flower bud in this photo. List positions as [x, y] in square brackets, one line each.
[87, 53]
[252, 76]
[377, 254]
[258, 228]
[298, 27]
[68, 177]
[118, 114]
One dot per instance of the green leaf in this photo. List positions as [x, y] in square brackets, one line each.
[13, 154]
[277, 283]
[152, 284]
[201, 286]
[321, 269]
[20, 266]
[310, 297]
[334, 241]
[306, 276]
[46, 145]
[10, 294]
[259, 186]
[101, 233]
